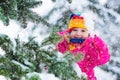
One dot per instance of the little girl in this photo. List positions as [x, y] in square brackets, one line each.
[78, 40]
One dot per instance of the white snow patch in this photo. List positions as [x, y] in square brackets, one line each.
[103, 75]
[44, 76]
[2, 52]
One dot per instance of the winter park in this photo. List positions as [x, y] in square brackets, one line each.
[38, 40]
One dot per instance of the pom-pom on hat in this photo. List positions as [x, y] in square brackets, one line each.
[76, 21]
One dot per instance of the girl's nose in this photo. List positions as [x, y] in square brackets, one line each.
[78, 35]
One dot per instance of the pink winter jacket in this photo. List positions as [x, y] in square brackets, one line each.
[95, 53]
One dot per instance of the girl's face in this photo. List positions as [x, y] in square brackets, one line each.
[79, 33]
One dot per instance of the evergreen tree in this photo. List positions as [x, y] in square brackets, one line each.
[20, 10]
[27, 57]
[31, 55]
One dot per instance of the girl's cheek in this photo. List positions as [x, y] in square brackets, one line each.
[86, 36]
[71, 35]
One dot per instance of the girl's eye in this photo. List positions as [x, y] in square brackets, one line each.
[82, 30]
[74, 29]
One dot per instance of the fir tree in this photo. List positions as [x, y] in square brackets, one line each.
[27, 57]
[20, 10]
[34, 54]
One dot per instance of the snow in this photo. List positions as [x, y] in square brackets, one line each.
[103, 75]
[13, 30]
[44, 8]
[21, 65]
[100, 74]
[2, 52]
[43, 76]
[102, 2]
[47, 76]
[78, 70]
[2, 77]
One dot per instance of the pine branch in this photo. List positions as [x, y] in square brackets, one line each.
[61, 67]
[34, 17]
[34, 55]
[3, 17]
[52, 39]
[32, 4]
[19, 10]
[70, 1]
[33, 77]
[8, 11]
[6, 44]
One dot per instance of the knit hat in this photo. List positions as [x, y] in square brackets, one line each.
[76, 21]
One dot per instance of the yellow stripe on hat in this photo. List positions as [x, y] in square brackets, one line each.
[77, 22]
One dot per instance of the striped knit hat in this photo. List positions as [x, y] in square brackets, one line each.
[76, 21]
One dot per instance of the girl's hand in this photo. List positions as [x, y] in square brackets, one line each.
[66, 37]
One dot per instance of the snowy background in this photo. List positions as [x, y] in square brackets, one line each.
[13, 30]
